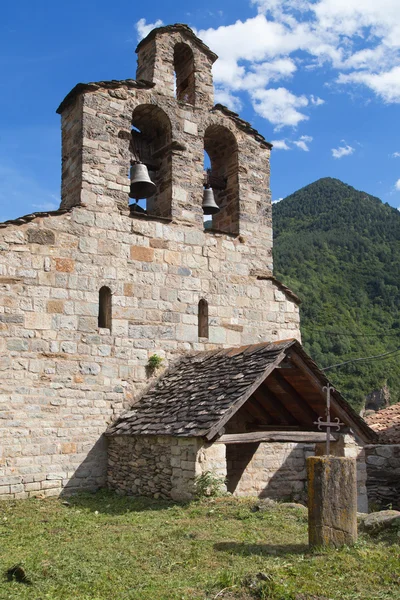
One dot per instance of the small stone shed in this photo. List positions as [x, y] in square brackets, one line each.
[246, 414]
[383, 458]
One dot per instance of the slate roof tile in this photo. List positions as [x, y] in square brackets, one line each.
[187, 399]
[194, 394]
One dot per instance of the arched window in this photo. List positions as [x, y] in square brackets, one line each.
[203, 318]
[221, 147]
[184, 73]
[151, 141]
[105, 308]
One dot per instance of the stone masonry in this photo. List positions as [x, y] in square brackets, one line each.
[383, 471]
[166, 467]
[63, 379]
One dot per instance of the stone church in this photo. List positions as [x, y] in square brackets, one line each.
[90, 292]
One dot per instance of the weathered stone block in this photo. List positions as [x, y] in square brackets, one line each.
[38, 321]
[332, 501]
[41, 236]
[142, 253]
[55, 306]
[65, 265]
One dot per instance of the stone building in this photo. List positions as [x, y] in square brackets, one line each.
[383, 458]
[89, 292]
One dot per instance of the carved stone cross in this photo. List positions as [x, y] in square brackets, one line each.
[328, 423]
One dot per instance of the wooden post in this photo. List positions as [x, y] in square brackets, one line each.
[332, 500]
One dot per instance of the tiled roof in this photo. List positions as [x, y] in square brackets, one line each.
[386, 423]
[197, 395]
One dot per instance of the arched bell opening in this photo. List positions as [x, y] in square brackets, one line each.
[222, 177]
[207, 216]
[150, 173]
[185, 89]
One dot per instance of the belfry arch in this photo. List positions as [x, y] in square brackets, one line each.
[184, 73]
[151, 145]
[223, 176]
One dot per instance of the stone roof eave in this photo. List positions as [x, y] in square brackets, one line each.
[82, 88]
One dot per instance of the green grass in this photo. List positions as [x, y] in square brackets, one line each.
[103, 547]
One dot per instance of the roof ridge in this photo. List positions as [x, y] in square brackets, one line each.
[182, 28]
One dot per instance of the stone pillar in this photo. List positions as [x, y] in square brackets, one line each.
[332, 500]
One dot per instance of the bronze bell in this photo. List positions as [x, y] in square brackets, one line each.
[210, 207]
[141, 184]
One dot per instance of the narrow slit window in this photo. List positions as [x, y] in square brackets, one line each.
[105, 308]
[203, 318]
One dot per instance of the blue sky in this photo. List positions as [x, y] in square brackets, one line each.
[318, 78]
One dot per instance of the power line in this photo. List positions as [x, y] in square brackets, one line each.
[363, 359]
[347, 334]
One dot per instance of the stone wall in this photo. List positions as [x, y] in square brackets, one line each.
[63, 379]
[157, 466]
[166, 467]
[383, 476]
[273, 470]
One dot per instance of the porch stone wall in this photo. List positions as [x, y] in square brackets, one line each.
[273, 470]
[383, 476]
[166, 467]
[157, 466]
[277, 470]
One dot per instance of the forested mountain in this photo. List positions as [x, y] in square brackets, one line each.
[339, 250]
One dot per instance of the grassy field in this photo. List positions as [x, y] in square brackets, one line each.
[102, 547]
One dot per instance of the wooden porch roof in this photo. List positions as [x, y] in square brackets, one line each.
[259, 387]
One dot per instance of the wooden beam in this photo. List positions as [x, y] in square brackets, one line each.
[257, 411]
[299, 404]
[337, 409]
[309, 437]
[276, 405]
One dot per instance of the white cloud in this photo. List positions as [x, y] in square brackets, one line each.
[276, 201]
[303, 142]
[144, 28]
[359, 39]
[342, 151]
[385, 84]
[279, 106]
[316, 101]
[397, 185]
[253, 54]
[225, 97]
[396, 155]
[280, 145]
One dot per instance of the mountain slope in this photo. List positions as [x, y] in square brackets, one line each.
[339, 250]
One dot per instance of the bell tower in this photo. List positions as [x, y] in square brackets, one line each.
[162, 123]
